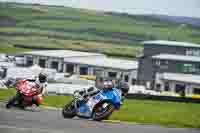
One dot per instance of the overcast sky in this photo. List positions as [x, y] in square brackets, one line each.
[189, 8]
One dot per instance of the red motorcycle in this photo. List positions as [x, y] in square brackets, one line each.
[24, 96]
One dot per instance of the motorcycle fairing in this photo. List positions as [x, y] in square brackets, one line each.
[113, 96]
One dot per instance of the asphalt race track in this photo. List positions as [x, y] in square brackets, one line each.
[49, 121]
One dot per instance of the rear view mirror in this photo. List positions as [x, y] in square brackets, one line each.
[90, 89]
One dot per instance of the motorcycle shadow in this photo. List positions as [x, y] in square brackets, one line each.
[76, 118]
[27, 109]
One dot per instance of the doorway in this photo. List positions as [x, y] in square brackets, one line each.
[70, 68]
[112, 74]
[180, 88]
[54, 65]
[42, 63]
[29, 61]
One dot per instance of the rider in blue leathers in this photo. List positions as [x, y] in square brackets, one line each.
[121, 88]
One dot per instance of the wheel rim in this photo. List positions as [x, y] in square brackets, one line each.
[70, 108]
[67, 109]
[100, 110]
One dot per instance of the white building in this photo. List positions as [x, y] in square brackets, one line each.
[174, 82]
[29, 72]
[83, 63]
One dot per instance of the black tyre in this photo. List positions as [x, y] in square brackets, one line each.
[100, 113]
[69, 110]
[11, 102]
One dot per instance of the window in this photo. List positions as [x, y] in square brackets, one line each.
[126, 78]
[112, 74]
[196, 91]
[162, 63]
[167, 86]
[193, 52]
[187, 68]
[158, 87]
[133, 81]
[42, 63]
[83, 70]
[54, 65]
[179, 88]
[158, 62]
[188, 52]
[29, 61]
[197, 67]
[148, 84]
[70, 68]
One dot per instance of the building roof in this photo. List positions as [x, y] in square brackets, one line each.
[177, 57]
[61, 53]
[172, 43]
[6, 64]
[28, 73]
[189, 78]
[106, 63]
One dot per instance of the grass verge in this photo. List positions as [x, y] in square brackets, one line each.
[140, 111]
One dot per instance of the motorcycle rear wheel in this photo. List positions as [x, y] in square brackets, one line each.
[99, 116]
[11, 102]
[69, 110]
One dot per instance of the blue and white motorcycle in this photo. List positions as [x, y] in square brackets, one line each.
[93, 104]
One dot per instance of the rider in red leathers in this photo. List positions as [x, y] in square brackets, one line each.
[40, 83]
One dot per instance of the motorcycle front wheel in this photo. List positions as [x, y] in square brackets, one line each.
[102, 113]
[69, 110]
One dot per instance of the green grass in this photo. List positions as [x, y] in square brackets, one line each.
[63, 27]
[38, 42]
[107, 33]
[140, 111]
[7, 47]
[56, 101]
[12, 50]
[6, 94]
[163, 113]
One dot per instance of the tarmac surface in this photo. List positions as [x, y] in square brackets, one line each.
[51, 121]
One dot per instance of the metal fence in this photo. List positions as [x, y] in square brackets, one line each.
[162, 98]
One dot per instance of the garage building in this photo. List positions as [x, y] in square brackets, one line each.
[83, 63]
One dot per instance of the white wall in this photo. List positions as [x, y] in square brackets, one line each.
[49, 60]
[91, 71]
[172, 84]
[132, 73]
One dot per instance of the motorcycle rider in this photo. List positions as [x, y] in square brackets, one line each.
[108, 85]
[40, 83]
[124, 87]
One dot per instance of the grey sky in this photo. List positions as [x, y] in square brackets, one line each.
[169, 7]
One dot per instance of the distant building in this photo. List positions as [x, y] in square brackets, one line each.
[170, 66]
[83, 63]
